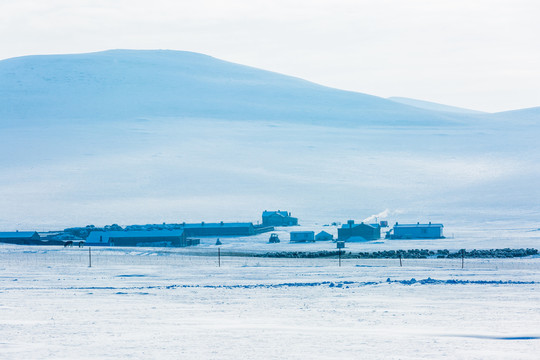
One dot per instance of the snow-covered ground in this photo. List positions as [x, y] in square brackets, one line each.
[161, 304]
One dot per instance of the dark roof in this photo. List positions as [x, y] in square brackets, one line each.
[17, 234]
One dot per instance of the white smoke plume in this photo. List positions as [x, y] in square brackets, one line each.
[377, 217]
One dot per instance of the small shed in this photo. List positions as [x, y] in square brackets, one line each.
[302, 236]
[324, 236]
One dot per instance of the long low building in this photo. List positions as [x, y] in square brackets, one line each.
[20, 237]
[417, 231]
[138, 238]
[27, 238]
[219, 229]
[208, 229]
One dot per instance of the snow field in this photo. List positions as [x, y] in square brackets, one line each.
[150, 304]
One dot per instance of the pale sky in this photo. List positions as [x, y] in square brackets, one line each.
[478, 54]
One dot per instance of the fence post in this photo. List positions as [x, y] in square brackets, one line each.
[400, 263]
[219, 256]
[89, 257]
[462, 258]
[339, 255]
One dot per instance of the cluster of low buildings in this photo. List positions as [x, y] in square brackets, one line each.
[187, 234]
[359, 232]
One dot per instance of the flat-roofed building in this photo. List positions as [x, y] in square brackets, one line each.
[160, 238]
[417, 231]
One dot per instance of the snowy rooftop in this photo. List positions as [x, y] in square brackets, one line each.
[223, 224]
[418, 225]
[279, 212]
[142, 233]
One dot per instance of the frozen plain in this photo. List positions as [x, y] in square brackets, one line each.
[152, 303]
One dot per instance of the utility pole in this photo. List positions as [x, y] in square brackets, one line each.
[89, 257]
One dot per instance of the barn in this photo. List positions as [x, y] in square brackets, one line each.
[356, 231]
[138, 238]
[21, 238]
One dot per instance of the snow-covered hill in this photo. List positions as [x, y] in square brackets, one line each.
[428, 105]
[530, 116]
[133, 137]
[126, 84]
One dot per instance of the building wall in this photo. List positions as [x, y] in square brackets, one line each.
[417, 232]
[21, 238]
[131, 238]
[368, 232]
[205, 230]
[324, 236]
[302, 236]
[149, 240]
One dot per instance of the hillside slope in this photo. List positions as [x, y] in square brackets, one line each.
[125, 84]
[529, 116]
[428, 105]
[151, 136]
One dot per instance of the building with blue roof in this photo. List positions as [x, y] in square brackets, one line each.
[278, 218]
[351, 231]
[416, 231]
[20, 237]
[138, 238]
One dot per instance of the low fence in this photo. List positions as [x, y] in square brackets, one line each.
[219, 257]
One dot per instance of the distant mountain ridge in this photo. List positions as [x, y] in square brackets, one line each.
[163, 83]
